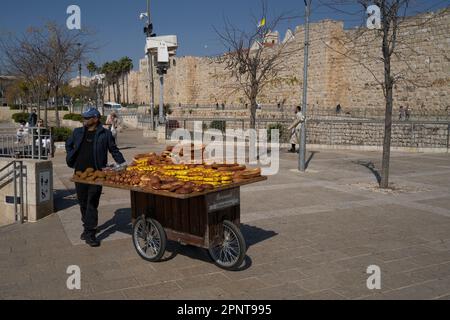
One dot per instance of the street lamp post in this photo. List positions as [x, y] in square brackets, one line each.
[302, 152]
[149, 33]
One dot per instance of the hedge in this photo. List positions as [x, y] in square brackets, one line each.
[61, 134]
[18, 117]
[79, 117]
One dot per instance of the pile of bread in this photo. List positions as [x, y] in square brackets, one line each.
[91, 175]
[157, 172]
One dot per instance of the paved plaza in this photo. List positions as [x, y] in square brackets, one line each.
[309, 236]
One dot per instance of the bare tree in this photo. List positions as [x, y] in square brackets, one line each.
[389, 64]
[254, 59]
[45, 57]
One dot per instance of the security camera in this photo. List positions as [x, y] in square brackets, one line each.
[143, 15]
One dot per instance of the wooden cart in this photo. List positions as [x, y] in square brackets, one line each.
[209, 220]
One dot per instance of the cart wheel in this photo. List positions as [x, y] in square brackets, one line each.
[229, 254]
[149, 239]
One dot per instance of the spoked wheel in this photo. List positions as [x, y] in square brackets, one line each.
[230, 253]
[149, 239]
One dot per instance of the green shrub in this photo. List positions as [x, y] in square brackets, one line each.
[14, 107]
[131, 106]
[79, 117]
[18, 117]
[166, 110]
[61, 134]
[219, 125]
[73, 117]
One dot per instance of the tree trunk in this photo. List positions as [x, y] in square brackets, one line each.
[109, 92]
[114, 91]
[387, 140]
[46, 112]
[39, 106]
[119, 97]
[58, 123]
[123, 88]
[388, 93]
[253, 107]
[128, 89]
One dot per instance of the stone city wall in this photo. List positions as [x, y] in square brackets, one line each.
[334, 78]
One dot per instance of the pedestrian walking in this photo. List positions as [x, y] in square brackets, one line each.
[296, 128]
[407, 113]
[32, 119]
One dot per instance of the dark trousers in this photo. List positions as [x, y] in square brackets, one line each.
[89, 198]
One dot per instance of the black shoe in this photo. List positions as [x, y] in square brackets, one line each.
[291, 151]
[83, 235]
[92, 241]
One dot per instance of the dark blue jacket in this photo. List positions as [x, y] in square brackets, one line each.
[103, 142]
[32, 120]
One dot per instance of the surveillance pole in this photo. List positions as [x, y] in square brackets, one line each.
[150, 69]
[302, 152]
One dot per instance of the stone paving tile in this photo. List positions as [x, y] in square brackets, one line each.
[325, 257]
[317, 283]
[415, 292]
[283, 277]
[305, 250]
[431, 272]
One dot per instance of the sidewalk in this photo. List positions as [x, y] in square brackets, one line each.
[310, 236]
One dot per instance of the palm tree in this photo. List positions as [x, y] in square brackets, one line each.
[107, 71]
[127, 66]
[116, 72]
[92, 68]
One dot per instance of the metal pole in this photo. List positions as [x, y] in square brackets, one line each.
[302, 152]
[152, 88]
[15, 188]
[150, 70]
[39, 142]
[161, 99]
[21, 191]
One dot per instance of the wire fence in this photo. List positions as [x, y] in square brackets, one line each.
[408, 134]
[283, 111]
[30, 143]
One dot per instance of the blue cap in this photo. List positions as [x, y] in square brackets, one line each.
[91, 113]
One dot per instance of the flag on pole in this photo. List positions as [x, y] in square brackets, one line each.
[262, 23]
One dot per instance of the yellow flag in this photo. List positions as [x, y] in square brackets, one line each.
[262, 23]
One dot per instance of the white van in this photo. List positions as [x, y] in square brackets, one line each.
[112, 106]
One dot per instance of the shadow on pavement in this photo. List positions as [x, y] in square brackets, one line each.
[64, 199]
[311, 156]
[369, 165]
[121, 222]
[252, 236]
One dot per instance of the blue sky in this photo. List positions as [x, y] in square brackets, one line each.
[119, 32]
